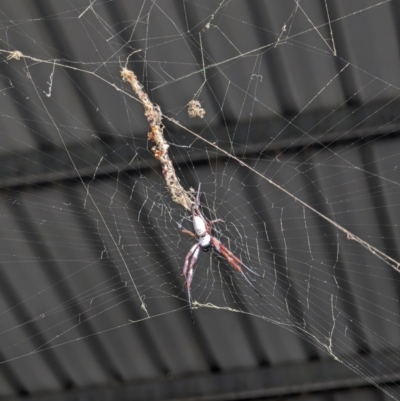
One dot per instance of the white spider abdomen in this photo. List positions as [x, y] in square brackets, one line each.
[199, 226]
[205, 241]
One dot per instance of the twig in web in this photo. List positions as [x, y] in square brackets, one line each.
[156, 135]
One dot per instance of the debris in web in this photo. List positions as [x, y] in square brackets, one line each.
[195, 109]
[16, 55]
[156, 135]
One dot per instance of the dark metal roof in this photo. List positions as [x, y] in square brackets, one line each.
[90, 238]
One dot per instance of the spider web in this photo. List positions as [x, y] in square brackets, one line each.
[296, 152]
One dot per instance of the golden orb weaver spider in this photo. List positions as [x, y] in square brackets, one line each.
[205, 242]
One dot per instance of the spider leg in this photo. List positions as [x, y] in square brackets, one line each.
[238, 261]
[189, 233]
[237, 267]
[251, 285]
[235, 262]
[197, 201]
[196, 212]
[210, 223]
[195, 207]
[188, 272]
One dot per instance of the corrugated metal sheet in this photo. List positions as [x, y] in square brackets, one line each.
[76, 236]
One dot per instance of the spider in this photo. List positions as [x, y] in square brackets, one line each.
[205, 242]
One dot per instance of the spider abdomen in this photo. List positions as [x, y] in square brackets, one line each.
[205, 242]
[199, 226]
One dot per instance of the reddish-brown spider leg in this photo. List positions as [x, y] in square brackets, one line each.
[234, 261]
[189, 233]
[235, 258]
[190, 260]
[210, 223]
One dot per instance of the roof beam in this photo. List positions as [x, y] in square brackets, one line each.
[275, 135]
[309, 377]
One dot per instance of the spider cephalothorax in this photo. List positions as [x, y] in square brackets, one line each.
[205, 242]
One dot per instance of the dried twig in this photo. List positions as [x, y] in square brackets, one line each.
[156, 135]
